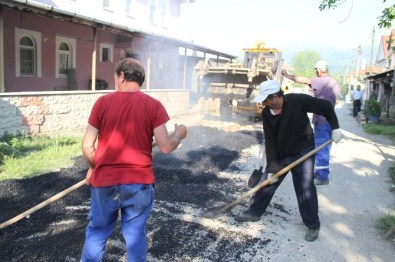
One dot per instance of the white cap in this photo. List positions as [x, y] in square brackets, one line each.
[322, 64]
[267, 88]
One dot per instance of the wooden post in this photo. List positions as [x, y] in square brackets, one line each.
[2, 86]
[184, 78]
[148, 73]
[93, 82]
[391, 110]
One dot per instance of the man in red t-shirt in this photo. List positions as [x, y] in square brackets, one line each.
[120, 166]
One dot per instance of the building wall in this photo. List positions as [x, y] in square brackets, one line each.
[48, 80]
[66, 113]
[152, 54]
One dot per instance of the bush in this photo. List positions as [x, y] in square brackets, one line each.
[372, 108]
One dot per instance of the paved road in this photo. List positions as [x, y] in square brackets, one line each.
[212, 168]
[358, 194]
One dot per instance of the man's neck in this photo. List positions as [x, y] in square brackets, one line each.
[128, 87]
[324, 74]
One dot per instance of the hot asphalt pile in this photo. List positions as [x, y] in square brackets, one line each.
[212, 166]
[204, 171]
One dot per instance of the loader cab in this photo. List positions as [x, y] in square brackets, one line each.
[262, 58]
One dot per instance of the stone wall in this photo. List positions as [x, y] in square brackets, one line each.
[66, 113]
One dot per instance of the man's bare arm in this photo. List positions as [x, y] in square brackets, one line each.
[88, 145]
[169, 142]
[298, 79]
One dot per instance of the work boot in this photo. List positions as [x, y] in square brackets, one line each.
[312, 234]
[247, 217]
[319, 182]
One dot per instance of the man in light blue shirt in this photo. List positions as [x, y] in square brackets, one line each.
[356, 97]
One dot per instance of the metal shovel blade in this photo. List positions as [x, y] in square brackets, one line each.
[255, 177]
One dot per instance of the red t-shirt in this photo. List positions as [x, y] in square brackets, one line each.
[126, 123]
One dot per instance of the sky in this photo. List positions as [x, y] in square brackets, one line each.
[289, 25]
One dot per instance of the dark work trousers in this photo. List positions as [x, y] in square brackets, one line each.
[356, 107]
[306, 192]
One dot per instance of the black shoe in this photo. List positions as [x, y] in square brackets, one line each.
[312, 234]
[255, 177]
[319, 182]
[247, 217]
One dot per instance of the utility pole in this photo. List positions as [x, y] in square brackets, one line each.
[359, 52]
[345, 73]
[350, 75]
[371, 50]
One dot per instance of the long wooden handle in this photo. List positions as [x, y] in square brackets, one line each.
[48, 201]
[42, 204]
[213, 212]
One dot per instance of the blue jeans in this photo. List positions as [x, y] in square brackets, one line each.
[306, 192]
[135, 203]
[322, 133]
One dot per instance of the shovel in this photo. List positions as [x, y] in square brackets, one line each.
[257, 175]
[215, 211]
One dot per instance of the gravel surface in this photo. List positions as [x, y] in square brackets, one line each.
[211, 167]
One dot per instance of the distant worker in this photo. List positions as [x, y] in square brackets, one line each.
[324, 87]
[356, 97]
[120, 173]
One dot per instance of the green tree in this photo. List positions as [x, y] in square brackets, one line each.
[304, 62]
[385, 20]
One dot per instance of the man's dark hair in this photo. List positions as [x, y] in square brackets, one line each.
[132, 70]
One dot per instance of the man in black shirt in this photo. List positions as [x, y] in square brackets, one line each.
[289, 136]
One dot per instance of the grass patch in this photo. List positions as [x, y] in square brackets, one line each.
[391, 172]
[379, 129]
[24, 156]
[385, 224]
